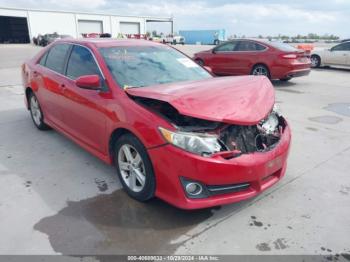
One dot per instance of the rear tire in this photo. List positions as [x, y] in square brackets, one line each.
[259, 70]
[315, 61]
[134, 168]
[36, 113]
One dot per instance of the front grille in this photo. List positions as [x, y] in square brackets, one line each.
[224, 189]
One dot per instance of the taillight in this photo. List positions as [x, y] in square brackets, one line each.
[290, 56]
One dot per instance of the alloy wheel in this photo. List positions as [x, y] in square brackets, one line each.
[132, 168]
[35, 110]
[260, 71]
[314, 61]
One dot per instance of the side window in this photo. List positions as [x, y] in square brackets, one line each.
[259, 47]
[42, 60]
[227, 47]
[246, 46]
[56, 58]
[340, 47]
[249, 46]
[347, 46]
[81, 62]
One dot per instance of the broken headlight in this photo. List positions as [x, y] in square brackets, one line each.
[198, 143]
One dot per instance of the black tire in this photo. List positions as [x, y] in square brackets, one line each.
[286, 79]
[38, 120]
[263, 69]
[315, 61]
[149, 187]
[200, 62]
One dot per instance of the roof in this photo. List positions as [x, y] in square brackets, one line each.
[108, 42]
[151, 18]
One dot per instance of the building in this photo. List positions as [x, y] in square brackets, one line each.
[21, 25]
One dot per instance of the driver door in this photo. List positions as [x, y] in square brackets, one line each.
[84, 112]
[223, 58]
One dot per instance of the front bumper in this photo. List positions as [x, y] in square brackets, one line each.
[260, 169]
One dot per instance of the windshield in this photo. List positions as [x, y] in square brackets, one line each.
[140, 66]
[283, 46]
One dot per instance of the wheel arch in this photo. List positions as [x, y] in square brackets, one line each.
[115, 135]
[263, 64]
[319, 57]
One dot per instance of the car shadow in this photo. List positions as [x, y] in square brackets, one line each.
[91, 214]
[279, 83]
[328, 68]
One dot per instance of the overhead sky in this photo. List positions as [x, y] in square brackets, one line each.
[249, 18]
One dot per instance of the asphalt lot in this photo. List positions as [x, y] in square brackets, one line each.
[57, 198]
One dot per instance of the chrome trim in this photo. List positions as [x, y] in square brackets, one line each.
[227, 188]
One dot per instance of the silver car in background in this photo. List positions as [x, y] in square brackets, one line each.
[338, 56]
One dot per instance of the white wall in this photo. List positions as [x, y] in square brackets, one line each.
[9, 12]
[49, 22]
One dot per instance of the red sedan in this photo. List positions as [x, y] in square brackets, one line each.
[250, 57]
[169, 127]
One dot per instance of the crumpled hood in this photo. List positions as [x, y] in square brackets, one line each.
[240, 100]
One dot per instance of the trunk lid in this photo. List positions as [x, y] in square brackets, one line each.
[240, 100]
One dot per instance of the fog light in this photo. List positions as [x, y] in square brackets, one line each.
[194, 189]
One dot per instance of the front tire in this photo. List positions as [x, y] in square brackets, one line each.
[260, 70]
[36, 112]
[315, 61]
[134, 168]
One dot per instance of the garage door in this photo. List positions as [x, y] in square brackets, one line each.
[129, 28]
[90, 26]
[14, 30]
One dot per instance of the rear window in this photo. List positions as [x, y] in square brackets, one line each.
[56, 58]
[282, 46]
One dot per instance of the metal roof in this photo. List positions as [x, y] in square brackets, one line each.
[150, 18]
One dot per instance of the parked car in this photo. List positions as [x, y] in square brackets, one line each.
[170, 39]
[338, 55]
[252, 57]
[44, 40]
[171, 129]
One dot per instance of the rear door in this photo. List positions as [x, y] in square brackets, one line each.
[50, 78]
[339, 54]
[84, 111]
[247, 53]
[223, 58]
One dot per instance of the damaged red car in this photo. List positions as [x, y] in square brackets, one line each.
[171, 129]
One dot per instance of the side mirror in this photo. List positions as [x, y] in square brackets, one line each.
[91, 82]
[208, 69]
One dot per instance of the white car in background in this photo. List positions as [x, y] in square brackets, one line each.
[338, 55]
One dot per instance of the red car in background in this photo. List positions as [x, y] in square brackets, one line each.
[251, 57]
[171, 129]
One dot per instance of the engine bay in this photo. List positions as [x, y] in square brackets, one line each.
[238, 138]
